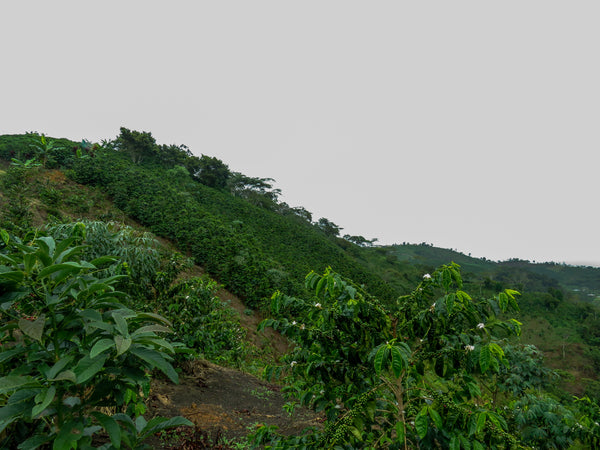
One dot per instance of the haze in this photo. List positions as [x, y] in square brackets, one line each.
[465, 124]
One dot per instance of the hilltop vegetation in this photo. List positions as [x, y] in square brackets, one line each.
[374, 327]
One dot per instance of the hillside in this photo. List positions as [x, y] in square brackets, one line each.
[233, 228]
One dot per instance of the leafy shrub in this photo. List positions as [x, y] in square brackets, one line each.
[204, 323]
[70, 344]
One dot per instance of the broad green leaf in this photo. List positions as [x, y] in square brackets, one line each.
[357, 434]
[485, 358]
[155, 318]
[399, 431]
[320, 285]
[122, 344]
[111, 426]
[65, 375]
[16, 276]
[449, 301]
[58, 366]
[4, 236]
[381, 357]
[435, 416]
[101, 346]
[496, 350]
[151, 328]
[34, 329]
[454, 443]
[120, 323]
[421, 423]
[481, 418]
[34, 442]
[67, 268]
[155, 359]
[13, 382]
[43, 399]
[399, 361]
[478, 446]
[88, 367]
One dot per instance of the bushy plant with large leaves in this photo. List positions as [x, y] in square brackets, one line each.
[69, 345]
[405, 376]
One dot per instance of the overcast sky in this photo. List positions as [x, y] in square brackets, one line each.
[466, 124]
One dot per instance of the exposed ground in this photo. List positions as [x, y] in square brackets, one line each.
[226, 404]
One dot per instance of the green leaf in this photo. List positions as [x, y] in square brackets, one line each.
[34, 329]
[381, 357]
[17, 276]
[399, 361]
[4, 236]
[42, 401]
[478, 446]
[88, 367]
[481, 417]
[111, 426]
[58, 366]
[13, 382]
[399, 431]
[454, 443]
[421, 423]
[122, 344]
[66, 375]
[101, 346]
[357, 434]
[485, 358]
[449, 300]
[120, 323]
[34, 442]
[65, 268]
[437, 419]
[152, 328]
[155, 359]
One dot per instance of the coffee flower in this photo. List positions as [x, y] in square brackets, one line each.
[426, 276]
[480, 326]
[469, 348]
[318, 305]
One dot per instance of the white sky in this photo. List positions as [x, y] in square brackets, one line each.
[467, 124]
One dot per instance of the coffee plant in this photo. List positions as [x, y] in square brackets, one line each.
[406, 375]
[75, 359]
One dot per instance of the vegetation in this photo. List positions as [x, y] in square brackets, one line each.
[414, 352]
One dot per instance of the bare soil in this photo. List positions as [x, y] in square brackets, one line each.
[226, 404]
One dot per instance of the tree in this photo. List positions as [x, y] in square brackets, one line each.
[328, 227]
[139, 145]
[208, 170]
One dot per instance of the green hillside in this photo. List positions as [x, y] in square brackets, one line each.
[366, 323]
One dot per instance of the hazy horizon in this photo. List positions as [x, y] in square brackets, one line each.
[466, 125]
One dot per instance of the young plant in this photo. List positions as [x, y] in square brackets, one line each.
[69, 345]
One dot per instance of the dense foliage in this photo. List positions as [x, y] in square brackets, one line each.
[393, 359]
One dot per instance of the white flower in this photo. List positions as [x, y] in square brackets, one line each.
[480, 325]
[293, 363]
[469, 348]
[432, 308]
[294, 322]
[322, 392]
[318, 305]
[302, 327]
[426, 276]
[338, 406]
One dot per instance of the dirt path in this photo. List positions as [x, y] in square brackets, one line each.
[219, 399]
